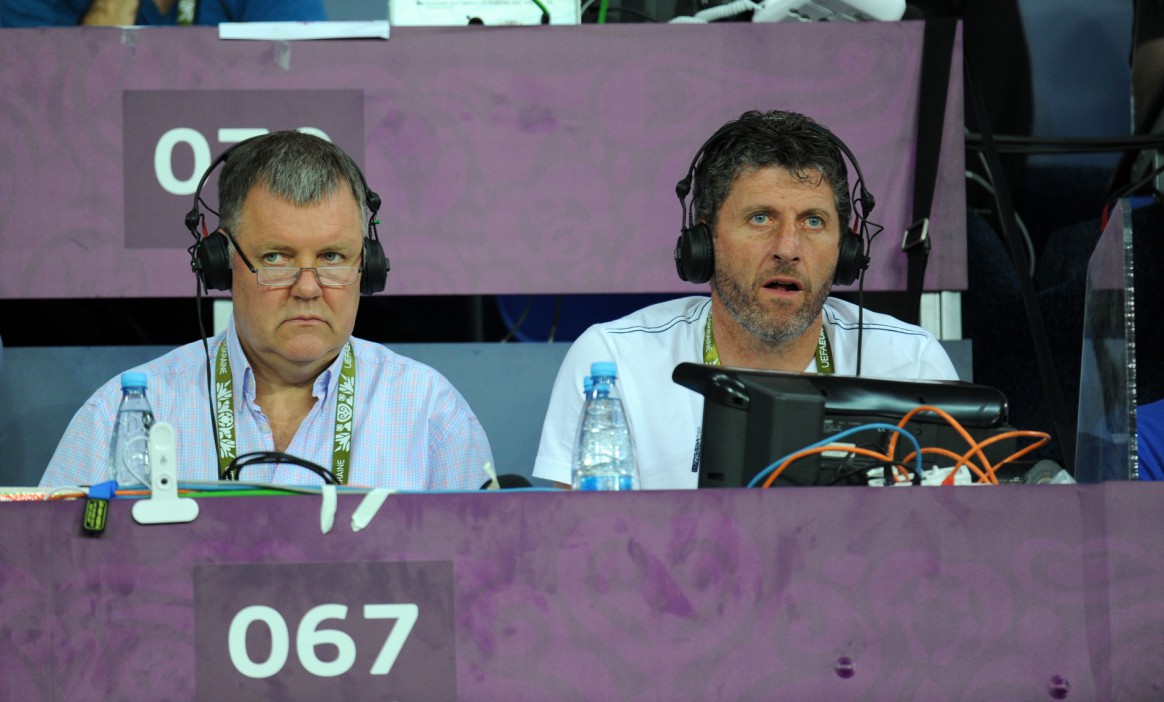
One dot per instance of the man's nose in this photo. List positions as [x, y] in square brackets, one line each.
[786, 242]
[307, 284]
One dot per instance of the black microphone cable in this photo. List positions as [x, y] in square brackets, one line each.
[276, 457]
[198, 296]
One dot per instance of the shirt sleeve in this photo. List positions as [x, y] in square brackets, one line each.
[458, 448]
[1150, 438]
[935, 363]
[554, 459]
[83, 452]
[42, 13]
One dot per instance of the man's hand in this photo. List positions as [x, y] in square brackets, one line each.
[118, 13]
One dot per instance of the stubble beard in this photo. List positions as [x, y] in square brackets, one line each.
[762, 321]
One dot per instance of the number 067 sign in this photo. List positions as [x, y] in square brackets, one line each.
[311, 631]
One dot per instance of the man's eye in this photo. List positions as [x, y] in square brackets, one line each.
[272, 258]
[333, 258]
[760, 218]
[814, 221]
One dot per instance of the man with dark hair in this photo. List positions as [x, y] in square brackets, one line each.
[769, 228]
[288, 376]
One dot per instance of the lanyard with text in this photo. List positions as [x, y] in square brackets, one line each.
[344, 411]
[186, 11]
[824, 355]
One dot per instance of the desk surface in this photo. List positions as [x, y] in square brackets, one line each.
[1008, 592]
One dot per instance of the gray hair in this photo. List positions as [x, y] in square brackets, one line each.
[296, 167]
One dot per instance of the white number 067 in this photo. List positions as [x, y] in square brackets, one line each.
[309, 635]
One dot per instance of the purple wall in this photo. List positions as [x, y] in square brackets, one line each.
[974, 593]
[526, 159]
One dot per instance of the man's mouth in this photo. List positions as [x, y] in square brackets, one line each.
[783, 285]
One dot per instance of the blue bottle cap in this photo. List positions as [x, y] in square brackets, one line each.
[606, 369]
[588, 383]
[131, 379]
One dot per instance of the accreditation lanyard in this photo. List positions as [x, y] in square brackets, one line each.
[186, 11]
[344, 411]
[824, 354]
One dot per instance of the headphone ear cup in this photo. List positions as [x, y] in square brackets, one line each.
[211, 261]
[852, 259]
[694, 256]
[376, 267]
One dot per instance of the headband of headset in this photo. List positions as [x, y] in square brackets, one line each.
[694, 255]
[210, 255]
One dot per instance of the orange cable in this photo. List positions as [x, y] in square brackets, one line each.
[1042, 437]
[974, 447]
[821, 449]
[961, 460]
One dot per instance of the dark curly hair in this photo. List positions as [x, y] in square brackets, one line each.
[789, 140]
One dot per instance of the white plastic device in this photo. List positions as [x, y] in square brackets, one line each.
[422, 13]
[829, 11]
[163, 506]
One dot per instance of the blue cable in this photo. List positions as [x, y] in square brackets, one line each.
[833, 439]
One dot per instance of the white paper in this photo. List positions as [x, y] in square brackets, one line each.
[294, 31]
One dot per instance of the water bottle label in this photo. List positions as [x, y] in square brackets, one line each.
[606, 483]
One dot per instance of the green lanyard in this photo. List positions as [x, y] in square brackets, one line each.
[344, 412]
[186, 12]
[824, 355]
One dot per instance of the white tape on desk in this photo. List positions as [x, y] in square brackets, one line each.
[327, 509]
[368, 508]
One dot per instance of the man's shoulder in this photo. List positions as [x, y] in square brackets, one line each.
[177, 368]
[846, 316]
[387, 361]
[181, 361]
[661, 318]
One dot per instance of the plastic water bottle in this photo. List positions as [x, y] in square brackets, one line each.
[129, 456]
[604, 455]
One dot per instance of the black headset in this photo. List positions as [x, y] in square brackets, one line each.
[695, 256]
[210, 257]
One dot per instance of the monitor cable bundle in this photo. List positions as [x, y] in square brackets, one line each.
[896, 471]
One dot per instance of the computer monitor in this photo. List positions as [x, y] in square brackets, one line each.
[751, 418]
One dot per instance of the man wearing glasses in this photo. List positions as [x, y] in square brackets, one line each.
[293, 246]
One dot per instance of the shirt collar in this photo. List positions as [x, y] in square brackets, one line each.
[324, 384]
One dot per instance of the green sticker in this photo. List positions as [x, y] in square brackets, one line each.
[96, 511]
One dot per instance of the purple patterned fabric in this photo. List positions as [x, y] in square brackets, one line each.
[1013, 592]
[510, 160]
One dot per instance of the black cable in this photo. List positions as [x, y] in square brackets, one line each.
[1131, 188]
[630, 11]
[841, 476]
[867, 231]
[848, 467]
[277, 457]
[554, 319]
[209, 376]
[1004, 143]
[1052, 391]
[520, 320]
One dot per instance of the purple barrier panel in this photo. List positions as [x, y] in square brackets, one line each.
[510, 160]
[1014, 592]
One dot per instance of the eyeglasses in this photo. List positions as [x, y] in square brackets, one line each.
[285, 276]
